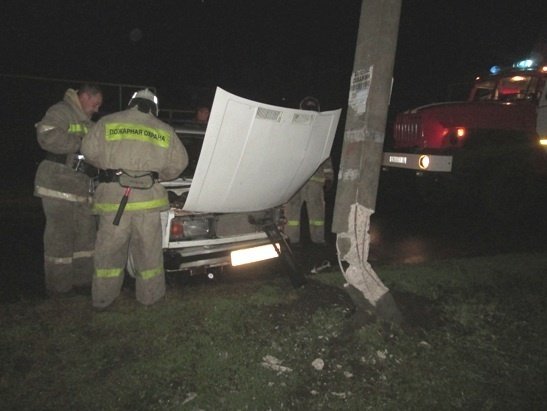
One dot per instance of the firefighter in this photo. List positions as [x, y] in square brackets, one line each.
[202, 115]
[311, 195]
[64, 188]
[133, 149]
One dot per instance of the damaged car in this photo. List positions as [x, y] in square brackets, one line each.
[226, 207]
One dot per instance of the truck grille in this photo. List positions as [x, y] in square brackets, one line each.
[408, 130]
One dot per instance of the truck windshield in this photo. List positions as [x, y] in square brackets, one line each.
[506, 88]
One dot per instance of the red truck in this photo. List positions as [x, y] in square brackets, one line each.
[492, 147]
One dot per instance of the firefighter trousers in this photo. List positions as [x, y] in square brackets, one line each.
[69, 241]
[138, 234]
[311, 195]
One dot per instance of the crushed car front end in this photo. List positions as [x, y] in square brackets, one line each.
[196, 242]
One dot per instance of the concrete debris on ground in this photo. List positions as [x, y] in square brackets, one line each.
[269, 361]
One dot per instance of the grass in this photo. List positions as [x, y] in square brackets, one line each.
[473, 338]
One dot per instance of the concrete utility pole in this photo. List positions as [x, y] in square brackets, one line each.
[361, 159]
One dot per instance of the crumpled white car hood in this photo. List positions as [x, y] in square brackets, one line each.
[256, 156]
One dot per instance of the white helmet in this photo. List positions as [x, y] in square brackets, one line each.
[310, 103]
[146, 100]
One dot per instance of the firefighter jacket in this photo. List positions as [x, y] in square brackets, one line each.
[324, 174]
[60, 134]
[137, 143]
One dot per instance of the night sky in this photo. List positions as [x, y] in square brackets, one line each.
[274, 51]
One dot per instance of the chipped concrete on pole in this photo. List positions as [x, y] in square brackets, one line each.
[363, 284]
[360, 274]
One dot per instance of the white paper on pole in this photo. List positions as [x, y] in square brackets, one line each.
[256, 156]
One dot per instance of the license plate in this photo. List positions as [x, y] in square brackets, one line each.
[253, 254]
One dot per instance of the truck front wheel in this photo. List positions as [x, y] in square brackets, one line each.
[508, 194]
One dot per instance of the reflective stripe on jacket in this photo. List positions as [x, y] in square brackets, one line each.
[78, 128]
[47, 192]
[324, 172]
[137, 143]
[60, 132]
[103, 208]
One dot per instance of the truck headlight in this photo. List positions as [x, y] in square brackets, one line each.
[423, 162]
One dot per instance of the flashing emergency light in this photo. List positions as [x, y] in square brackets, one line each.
[495, 70]
[524, 64]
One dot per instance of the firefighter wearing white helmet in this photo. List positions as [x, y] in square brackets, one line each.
[311, 195]
[134, 149]
[147, 101]
[310, 103]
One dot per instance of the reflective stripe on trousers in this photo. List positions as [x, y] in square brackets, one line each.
[315, 223]
[115, 272]
[139, 234]
[312, 196]
[69, 260]
[69, 241]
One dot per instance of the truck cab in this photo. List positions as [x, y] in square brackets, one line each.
[523, 84]
[499, 134]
